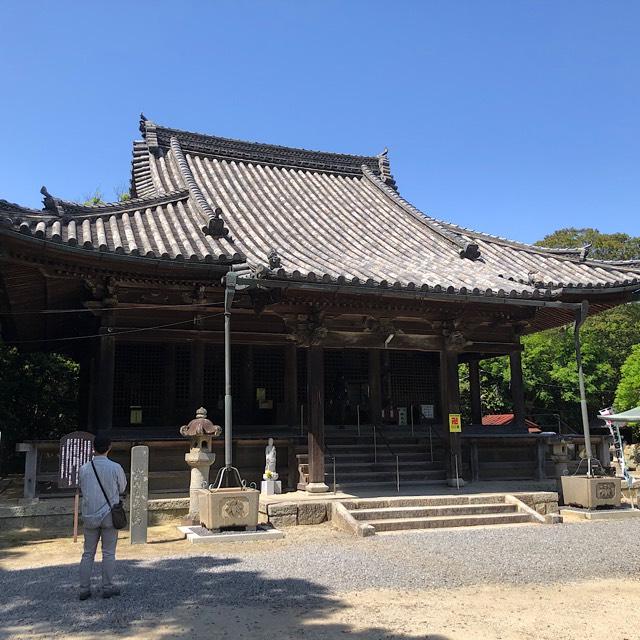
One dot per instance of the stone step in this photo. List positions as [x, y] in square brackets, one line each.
[366, 484]
[351, 476]
[422, 501]
[364, 448]
[382, 465]
[366, 456]
[440, 522]
[387, 513]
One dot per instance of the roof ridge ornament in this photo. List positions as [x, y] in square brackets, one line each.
[275, 262]
[148, 131]
[584, 252]
[385, 169]
[214, 226]
[50, 203]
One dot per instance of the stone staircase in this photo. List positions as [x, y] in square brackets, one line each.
[359, 463]
[368, 516]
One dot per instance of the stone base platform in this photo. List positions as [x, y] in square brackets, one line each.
[199, 535]
[573, 514]
[301, 508]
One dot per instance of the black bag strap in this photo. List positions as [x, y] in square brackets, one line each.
[100, 483]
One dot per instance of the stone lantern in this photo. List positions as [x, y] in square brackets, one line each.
[201, 432]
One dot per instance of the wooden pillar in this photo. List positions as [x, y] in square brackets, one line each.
[85, 419]
[291, 385]
[517, 387]
[169, 396]
[474, 385]
[315, 402]
[450, 400]
[375, 388]
[102, 384]
[196, 377]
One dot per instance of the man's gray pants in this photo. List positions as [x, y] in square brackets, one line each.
[109, 537]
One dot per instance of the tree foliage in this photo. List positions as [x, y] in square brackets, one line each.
[628, 392]
[605, 246]
[549, 359]
[38, 400]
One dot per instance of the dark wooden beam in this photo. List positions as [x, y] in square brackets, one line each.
[169, 396]
[291, 384]
[375, 387]
[474, 385]
[450, 400]
[103, 384]
[517, 386]
[85, 419]
[315, 402]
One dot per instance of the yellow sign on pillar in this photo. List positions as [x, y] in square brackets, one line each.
[455, 423]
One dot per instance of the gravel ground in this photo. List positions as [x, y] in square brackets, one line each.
[311, 570]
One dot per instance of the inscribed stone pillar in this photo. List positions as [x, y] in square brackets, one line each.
[139, 488]
[517, 387]
[315, 386]
[474, 385]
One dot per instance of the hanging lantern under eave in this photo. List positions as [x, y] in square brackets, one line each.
[135, 415]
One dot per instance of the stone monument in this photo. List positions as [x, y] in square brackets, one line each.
[139, 497]
[201, 432]
[270, 483]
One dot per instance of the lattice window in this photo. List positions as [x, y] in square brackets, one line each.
[139, 380]
[346, 379]
[213, 380]
[183, 376]
[412, 377]
[268, 371]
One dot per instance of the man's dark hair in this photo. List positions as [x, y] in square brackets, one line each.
[101, 443]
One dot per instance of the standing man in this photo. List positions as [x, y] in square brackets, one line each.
[96, 516]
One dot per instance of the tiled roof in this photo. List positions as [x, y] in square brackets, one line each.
[332, 218]
[502, 419]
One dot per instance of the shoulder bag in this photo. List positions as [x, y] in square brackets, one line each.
[118, 516]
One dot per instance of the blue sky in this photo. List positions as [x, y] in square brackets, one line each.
[514, 117]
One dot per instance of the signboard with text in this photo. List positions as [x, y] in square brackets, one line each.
[455, 423]
[75, 450]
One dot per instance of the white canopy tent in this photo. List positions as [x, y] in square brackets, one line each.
[632, 415]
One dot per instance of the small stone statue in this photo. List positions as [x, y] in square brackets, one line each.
[270, 461]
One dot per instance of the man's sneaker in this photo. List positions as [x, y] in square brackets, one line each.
[109, 592]
[84, 594]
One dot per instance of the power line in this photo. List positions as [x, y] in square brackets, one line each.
[101, 309]
[109, 334]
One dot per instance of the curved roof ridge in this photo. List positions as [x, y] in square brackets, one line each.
[68, 208]
[214, 225]
[465, 249]
[456, 228]
[141, 182]
[14, 208]
[259, 152]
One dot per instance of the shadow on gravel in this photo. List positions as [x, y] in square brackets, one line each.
[174, 592]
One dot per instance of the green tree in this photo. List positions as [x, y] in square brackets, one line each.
[550, 371]
[549, 361]
[628, 392]
[605, 246]
[38, 400]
